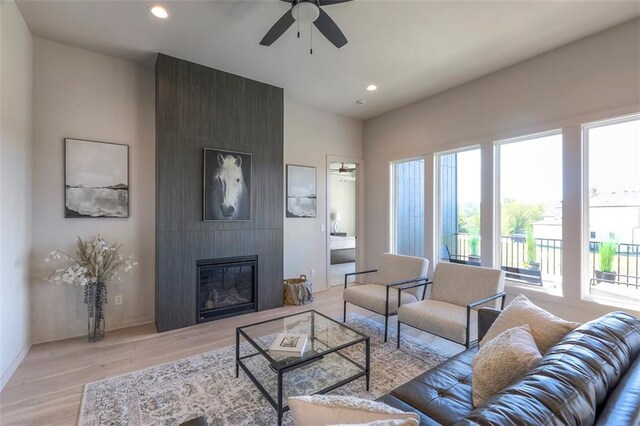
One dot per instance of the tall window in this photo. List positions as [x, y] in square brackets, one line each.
[530, 188]
[407, 208]
[459, 206]
[613, 209]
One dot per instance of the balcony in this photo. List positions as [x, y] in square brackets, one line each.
[625, 281]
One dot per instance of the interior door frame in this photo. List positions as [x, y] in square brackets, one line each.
[359, 211]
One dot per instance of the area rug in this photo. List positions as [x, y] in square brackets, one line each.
[205, 385]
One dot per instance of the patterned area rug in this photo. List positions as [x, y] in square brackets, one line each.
[205, 385]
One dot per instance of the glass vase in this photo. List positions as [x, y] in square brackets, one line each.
[95, 299]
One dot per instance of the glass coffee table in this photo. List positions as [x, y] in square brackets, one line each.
[335, 355]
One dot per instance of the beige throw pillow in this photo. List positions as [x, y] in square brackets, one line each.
[546, 328]
[406, 422]
[322, 410]
[501, 361]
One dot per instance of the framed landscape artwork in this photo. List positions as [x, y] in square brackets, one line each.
[227, 185]
[96, 179]
[301, 191]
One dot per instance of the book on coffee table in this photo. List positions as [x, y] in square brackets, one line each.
[289, 344]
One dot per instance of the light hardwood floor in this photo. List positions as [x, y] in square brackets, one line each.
[47, 386]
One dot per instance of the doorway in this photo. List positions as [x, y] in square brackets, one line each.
[343, 196]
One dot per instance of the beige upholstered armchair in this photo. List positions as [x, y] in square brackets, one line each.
[457, 291]
[398, 280]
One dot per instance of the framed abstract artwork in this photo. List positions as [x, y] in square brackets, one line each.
[96, 179]
[301, 191]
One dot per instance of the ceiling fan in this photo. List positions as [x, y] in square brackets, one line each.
[343, 169]
[306, 12]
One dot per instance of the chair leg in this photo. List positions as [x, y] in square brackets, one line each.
[398, 339]
[386, 326]
[344, 312]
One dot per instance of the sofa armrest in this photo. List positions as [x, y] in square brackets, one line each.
[486, 317]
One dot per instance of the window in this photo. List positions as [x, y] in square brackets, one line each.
[459, 206]
[530, 209]
[612, 195]
[407, 209]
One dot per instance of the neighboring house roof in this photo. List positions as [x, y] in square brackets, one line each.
[625, 198]
[549, 221]
[619, 199]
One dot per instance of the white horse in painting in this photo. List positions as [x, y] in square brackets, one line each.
[231, 192]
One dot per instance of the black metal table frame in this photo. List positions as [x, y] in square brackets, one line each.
[280, 370]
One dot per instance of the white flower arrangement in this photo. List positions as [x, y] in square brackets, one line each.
[94, 262]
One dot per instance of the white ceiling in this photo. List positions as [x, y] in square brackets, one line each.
[410, 49]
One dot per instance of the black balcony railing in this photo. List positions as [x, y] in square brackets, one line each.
[513, 251]
[625, 264]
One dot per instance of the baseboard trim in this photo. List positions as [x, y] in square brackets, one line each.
[6, 376]
[125, 324]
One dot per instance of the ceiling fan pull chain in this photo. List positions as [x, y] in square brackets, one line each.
[311, 39]
[298, 22]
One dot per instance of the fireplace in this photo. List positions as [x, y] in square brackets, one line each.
[226, 287]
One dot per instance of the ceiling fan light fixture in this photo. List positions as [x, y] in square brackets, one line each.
[305, 12]
[372, 87]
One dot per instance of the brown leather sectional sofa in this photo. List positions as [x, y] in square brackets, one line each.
[590, 377]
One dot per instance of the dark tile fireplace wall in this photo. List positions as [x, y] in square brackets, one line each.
[198, 107]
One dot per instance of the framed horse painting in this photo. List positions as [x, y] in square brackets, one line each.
[227, 185]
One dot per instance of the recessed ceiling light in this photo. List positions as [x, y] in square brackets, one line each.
[159, 12]
[372, 87]
[360, 102]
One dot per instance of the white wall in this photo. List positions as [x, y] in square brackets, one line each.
[310, 136]
[343, 201]
[82, 94]
[596, 74]
[86, 95]
[16, 47]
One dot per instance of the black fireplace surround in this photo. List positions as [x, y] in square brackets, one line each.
[226, 287]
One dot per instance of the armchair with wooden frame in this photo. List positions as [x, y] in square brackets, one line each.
[456, 293]
[398, 280]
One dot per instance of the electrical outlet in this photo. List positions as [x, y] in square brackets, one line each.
[119, 299]
[313, 272]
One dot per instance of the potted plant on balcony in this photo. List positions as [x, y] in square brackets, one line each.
[474, 247]
[532, 255]
[607, 251]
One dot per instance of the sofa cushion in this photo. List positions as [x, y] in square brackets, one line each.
[503, 360]
[623, 404]
[547, 329]
[321, 410]
[393, 422]
[440, 318]
[442, 395]
[373, 297]
[571, 381]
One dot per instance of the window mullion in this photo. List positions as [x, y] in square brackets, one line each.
[488, 242]
[572, 212]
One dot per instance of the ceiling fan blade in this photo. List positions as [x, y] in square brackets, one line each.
[330, 2]
[278, 29]
[330, 29]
